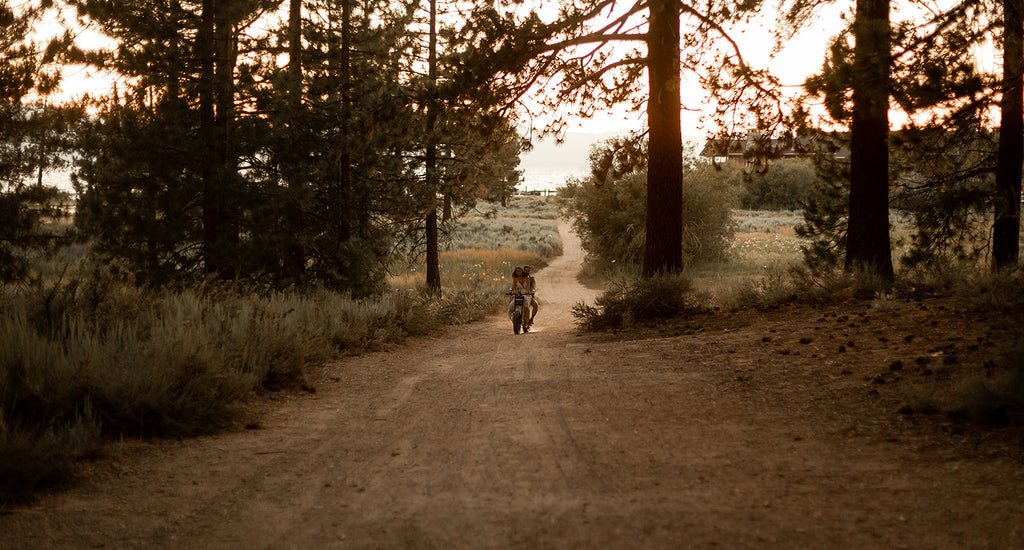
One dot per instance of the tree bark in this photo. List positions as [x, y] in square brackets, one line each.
[868, 246]
[226, 47]
[207, 120]
[295, 53]
[295, 254]
[339, 179]
[344, 227]
[1006, 230]
[430, 168]
[663, 249]
[219, 52]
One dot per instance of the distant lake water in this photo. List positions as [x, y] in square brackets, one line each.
[61, 179]
[546, 180]
[533, 179]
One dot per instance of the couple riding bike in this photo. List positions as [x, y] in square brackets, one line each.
[524, 284]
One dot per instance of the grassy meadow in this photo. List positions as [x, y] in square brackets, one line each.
[764, 245]
[87, 357]
[481, 248]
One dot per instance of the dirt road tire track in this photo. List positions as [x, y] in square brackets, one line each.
[482, 439]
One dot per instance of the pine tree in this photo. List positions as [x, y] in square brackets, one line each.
[518, 53]
[32, 136]
[147, 158]
[867, 237]
[217, 163]
[340, 155]
[944, 160]
[1006, 229]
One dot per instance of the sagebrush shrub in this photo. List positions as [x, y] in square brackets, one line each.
[608, 210]
[641, 301]
[34, 456]
[611, 219]
[787, 184]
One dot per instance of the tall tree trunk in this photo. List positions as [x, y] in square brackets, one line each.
[226, 47]
[212, 219]
[218, 51]
[174, 48]
[343, 225]
[868, 246]
[295, 255]
[663, 251]
[1006, 231]
[433, 254]
[295, 53]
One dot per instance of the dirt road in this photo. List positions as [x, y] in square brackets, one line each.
[749, 431]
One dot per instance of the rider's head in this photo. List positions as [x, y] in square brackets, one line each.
[517, 272]
[526, 270]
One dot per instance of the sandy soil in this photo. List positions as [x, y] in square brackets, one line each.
[738, 429]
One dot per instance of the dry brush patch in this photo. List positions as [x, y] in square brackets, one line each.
[87, 355]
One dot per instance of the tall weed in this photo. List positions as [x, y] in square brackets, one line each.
[76, 364]
[1001, 291]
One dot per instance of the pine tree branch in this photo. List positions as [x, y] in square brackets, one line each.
[602, 71]
[942, 21]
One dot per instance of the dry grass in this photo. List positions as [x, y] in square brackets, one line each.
[764, 248]
[483, 250]
[87, 354]
[470, 270]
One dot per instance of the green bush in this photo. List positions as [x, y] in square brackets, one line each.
[708, 202]
[34, 457]
[608, 211]
[642, 301]
[611, 219]
[786, 185]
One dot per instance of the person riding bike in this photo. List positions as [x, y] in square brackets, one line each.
[533, 292]
[521, 284]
